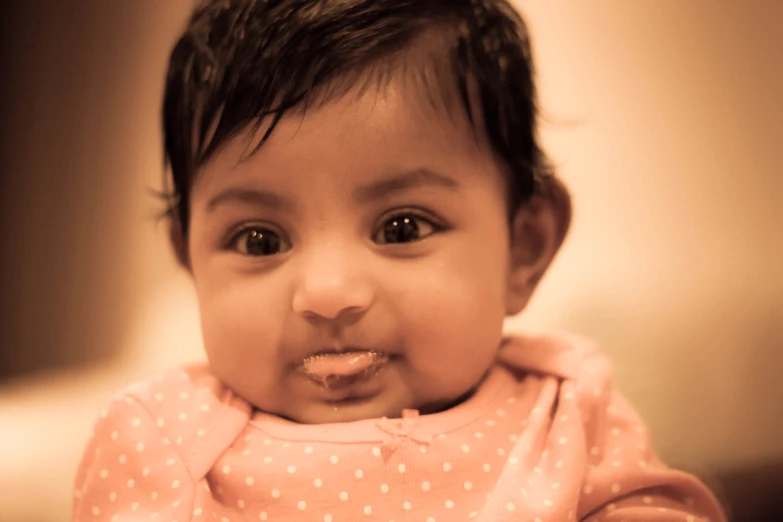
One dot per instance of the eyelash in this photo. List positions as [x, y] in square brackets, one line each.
[238, 232]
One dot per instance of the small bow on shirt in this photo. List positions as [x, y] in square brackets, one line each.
[406, 427]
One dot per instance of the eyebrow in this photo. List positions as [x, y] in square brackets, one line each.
[372, 192]
[400, 182]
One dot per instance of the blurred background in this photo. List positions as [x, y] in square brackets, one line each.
[665, 118]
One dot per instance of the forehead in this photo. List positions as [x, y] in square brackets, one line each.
[371, 129]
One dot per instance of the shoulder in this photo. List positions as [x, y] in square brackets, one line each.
[187, 408]
[562, 355]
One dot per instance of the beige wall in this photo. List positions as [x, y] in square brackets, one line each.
[668, 130]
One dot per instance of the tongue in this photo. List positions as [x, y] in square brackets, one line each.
[339, 364]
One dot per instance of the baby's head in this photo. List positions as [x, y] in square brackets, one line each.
[357, 176]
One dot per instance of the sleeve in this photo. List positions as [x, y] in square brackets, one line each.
[626, 481]
[131, 470]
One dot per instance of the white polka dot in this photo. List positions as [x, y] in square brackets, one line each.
[564, 418]
[610, 507]
[182, 416]
[327, 518]
[358, 473]
[275, 493]
[615, 488]
[510, 506]
[537, 519]
[616, 464]
[262, 515]
[197, 512]
[112, 496]
[376, 451]
[246, 452]
[500, 412]
[318, 482]
[136, 422]
[486, 467]
[384, 488]
[224, 519]
[286, 444]
[154, 495]
[425, 486]
[548, 503]
[588, 489]
[595, 450]
[615, 431]
[513, 437]
[647, 499]
[343, 495]
[170, 462]
[690, 518]
[139, 446]
[241, 504]
[134, 506]
[201, 432]
[430, 519]
[96, 510]
[642, 464]
[401, 468]
[442, 436]
[334, 459]
[145, 472]
[123, 459]
[559, 464]
[406, 505]
[266, 441]
[562, 440]
[205, 407]
[184, 395]
[250, 481]
[501, 451]
[130, 483]
[175, 484]
[114, 435]
[473, 514]
[449, 504]
[301, 505]
[446, 466]
[468, 485]
[555, 485]
[423, 449]
[367, 510]
[513, 460]
[267, 459]
[179, 441]
[465, 448]
[478, 435]
[226, 469]
[104, 473]
[308, 449]
[291, 469]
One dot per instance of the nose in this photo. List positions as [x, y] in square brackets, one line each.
[332, 284]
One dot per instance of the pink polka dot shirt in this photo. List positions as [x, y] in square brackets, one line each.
[544, 439]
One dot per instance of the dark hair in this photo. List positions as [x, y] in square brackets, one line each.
[241, 64]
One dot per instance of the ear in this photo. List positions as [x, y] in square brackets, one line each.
[179, 243]
[537, 232]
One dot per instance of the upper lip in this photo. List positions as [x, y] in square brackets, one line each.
[338, 350]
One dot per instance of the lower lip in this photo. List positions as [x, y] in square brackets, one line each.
[342, 370]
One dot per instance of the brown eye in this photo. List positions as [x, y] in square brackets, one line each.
[259, 242]
[405, 228]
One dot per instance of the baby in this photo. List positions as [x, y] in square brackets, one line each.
[360, 198]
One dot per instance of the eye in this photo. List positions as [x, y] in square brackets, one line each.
[405, 228]
[257, 241]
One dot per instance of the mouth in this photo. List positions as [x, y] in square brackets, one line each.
[334, 369]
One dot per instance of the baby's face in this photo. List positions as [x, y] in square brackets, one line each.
[373, 223]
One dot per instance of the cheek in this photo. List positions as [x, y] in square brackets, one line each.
[456, 312]
[242, 320]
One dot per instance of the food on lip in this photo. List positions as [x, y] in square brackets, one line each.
[339, 368]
